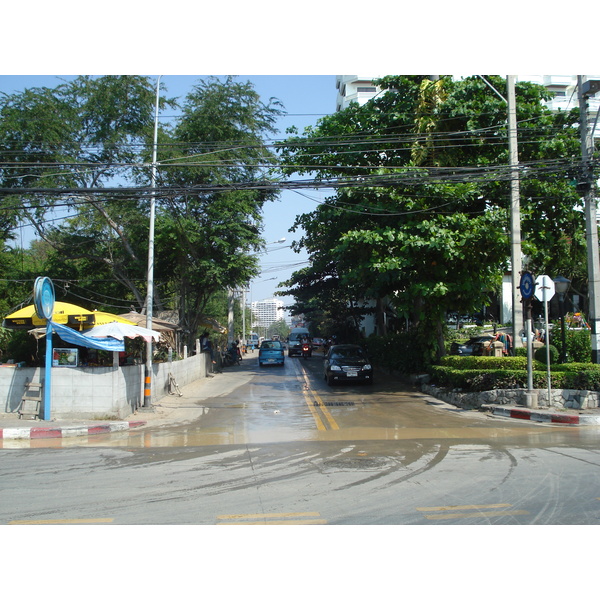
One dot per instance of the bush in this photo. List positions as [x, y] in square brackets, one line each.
[479, 380]
[579, 343]
[541, 354]
[485, 362]
[405, 352]
[579, 346]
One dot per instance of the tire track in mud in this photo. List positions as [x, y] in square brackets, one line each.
[440, 455]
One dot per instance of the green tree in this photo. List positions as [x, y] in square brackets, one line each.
[78, 142]
[420, 213]
[280, 328]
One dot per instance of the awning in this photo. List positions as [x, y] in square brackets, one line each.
[212, 324]
[74, 337]
[157, 324]
[120, 331]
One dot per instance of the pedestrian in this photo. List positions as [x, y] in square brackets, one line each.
[206, 346]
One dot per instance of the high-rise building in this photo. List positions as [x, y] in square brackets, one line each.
[354, 88]
[564, 88]
[266, 312]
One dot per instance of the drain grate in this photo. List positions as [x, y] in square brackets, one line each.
[345, 403]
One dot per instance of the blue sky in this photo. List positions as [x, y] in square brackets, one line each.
[306, 98]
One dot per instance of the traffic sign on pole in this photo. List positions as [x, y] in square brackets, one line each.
[526, 285]
[544, 291]
[544, 288]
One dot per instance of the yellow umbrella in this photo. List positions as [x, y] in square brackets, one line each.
[102, 318]
[64, 314]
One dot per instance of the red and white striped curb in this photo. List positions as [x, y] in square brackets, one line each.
[540, 417]
[30, 433]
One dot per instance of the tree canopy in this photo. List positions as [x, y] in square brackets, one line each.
[87, 145]
[420, 211]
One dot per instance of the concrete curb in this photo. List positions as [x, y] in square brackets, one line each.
[30, 433]
[540, 416]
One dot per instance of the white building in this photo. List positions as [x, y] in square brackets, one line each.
[266, 312]
[360, 88]
[354, 88]
[564, 88]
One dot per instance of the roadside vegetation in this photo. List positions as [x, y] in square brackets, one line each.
[415, 226]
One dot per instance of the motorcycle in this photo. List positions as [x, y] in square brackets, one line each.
[231, 357]
[306, 350]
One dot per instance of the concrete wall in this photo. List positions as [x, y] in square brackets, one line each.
[559, 398]
[98, 392]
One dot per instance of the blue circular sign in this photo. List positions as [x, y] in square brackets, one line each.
[527, 285]
[43, 297]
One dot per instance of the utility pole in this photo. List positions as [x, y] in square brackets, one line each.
[230, 324]
[150, 285]
[515, 212]
[585, 89]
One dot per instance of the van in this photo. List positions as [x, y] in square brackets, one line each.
[295, 340]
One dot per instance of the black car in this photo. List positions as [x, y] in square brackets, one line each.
[474, 347]
[347, 362]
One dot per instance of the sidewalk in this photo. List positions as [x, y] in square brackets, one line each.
[167, 411]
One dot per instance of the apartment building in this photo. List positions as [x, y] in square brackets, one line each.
[354, 88]
[266, 312]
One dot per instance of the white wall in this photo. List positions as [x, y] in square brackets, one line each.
[98, 392]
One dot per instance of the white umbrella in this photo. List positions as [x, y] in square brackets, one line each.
[120, 331]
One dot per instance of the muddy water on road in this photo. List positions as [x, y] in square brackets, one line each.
[275, 405]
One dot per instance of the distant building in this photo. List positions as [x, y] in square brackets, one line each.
[266, 312]
[360, 88]
[564, 88]
[354, 88]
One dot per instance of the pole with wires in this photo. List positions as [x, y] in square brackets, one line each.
[150, 292]
[515, 211]
[591, 222]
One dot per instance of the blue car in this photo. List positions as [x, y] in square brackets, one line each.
[271, 353]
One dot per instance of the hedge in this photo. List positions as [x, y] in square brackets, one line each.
[485, 362]
[481, 373]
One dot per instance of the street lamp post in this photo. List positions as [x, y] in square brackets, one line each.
[561, 285]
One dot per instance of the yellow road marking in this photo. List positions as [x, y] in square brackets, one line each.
[493, 513]
[465, 507]
[305, 522]
[269, 515]
[323, 408]
[271, 519]
[313, 411]
[61, 522]
[311, 405]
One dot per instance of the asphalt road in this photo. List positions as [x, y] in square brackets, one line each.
[278, 446]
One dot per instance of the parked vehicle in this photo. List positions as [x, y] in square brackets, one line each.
[474, 347]
[347, 363]
[253, 341]
[295, 340]
[230, 357]
[318, 343]
[271, 353]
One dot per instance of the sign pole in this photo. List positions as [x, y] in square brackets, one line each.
[527, 287]
[48, 371]
[43, 301]
[545, 292]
